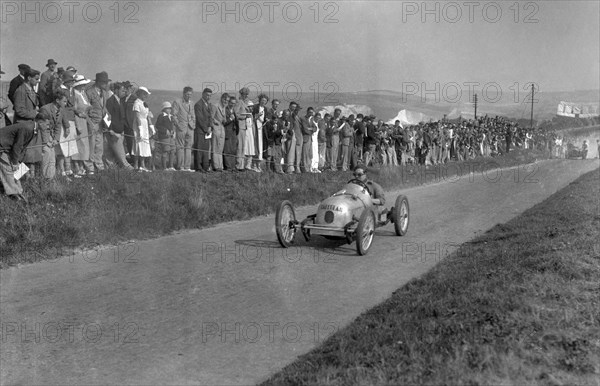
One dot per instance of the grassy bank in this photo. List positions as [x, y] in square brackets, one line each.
[518, 305]
[117, 206]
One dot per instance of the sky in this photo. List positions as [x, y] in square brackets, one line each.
[339, 46]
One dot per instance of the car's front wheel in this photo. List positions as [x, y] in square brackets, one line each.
[365, 231]
[400, 215]
[285, 224]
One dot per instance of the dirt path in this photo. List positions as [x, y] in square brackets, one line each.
[227, 305]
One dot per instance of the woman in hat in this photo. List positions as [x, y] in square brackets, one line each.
[142, 131]
[81, 108]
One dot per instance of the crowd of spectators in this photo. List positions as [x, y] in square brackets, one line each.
[68, 125]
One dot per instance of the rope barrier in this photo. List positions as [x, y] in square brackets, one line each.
[193, 149]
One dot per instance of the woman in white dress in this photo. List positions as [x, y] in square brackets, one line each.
[81, 107]
[260, 119]
[249, 148]
[67, 146]
[142, 130]
[314, 164]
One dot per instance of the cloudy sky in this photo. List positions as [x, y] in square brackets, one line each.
[354, 45]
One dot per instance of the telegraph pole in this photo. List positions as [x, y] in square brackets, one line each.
[531, 119]
[475, 101]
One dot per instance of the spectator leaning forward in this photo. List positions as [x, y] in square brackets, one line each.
[13, 142]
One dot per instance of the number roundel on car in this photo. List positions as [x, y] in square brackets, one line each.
[329, 217]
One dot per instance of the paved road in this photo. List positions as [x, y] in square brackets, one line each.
[226, 305]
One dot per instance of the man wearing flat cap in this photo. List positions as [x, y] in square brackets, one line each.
[97, 96]
[46, 80]
[16, 82]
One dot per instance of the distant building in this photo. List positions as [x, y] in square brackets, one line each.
[578, 110]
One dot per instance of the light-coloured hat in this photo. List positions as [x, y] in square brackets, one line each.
[250, 103]
[145, 90]
[80, 80]
[166, 105]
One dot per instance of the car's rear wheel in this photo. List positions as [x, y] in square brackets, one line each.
[401, 213]
[365, 231]
[285, 224]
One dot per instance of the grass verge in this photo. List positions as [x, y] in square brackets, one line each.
[518, 305]
[116, 206]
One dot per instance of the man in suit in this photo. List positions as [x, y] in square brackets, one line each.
[348, 154]
[243, 114]
[231, 135]
[273, 110]
[370, 140]
[359, 136]
[185, 124]
[97, 94]
[25, 100]
[273, 140]
[14, 139]
[336, 127]
[115, 151]
[46, 80]
[51, 134]
[16, 82]
[288, 146]
[165, 133]
[203, 110]
[296, 127]
[127, 103]
[26, 107]
[218, 135]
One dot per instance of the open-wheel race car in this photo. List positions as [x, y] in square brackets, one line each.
[575, 152]
[348, 214]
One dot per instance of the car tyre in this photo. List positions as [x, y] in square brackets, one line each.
[285, 224]
[365, 232]
[401, 215]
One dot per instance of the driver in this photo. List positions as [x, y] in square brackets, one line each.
[378, 197]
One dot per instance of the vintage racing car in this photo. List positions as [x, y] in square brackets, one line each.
[575, 152]
[348, 214]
